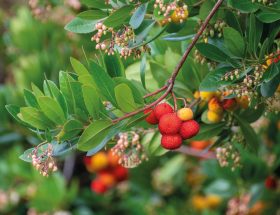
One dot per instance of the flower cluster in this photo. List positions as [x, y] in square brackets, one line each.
[199, 58]
[129, 149]
[42, 160]
[40, 11]
[238, 205]
[213, 30]
[227, 155]
[265, 2]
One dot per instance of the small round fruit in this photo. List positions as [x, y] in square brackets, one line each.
[98, 187]
[162, 109]
[215, 105]
[120, 173]
[199, 202]
[179, 15]
[200, 144]
[214, 117]
[206, 96]
[189, 129]
[270, 182]
[243, 102]
[113, 159]
[169, 124]
[213, 201]
[151, 118]
[107, 178]
[229, 104]
[185, 114]
[99, 161]
[171, 142]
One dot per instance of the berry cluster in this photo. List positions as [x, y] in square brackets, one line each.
[174, 127]
[108, 171]
[42, 160]
[218, 103]
[238, 205]
[130, 151]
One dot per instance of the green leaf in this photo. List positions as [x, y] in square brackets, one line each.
[234, 42]
[92, 101]
[94, 134]
[30, 99]
[245, 5]
[208, 131]
[212, 82]
[268, 88]
[70, 129]
[125, 98]
[51, 109]
[271, 72]
[138, 16]
[35, 118]
[251, 138]
[268, 16]
[78, 67]
[37, 92]
[212, 52]
[232, 21]
[99, 4]
[119, 17]
[81, 26]
[255, 33]
[142, 70]
[251, 115]
[114, 65]
[67, 91]
[92, 15]
[14, 111]
[104, 83]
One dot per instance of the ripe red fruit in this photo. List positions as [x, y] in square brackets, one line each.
[98, 186]
[171, 142]
[120, 173]
[162, 109]
[169, 124]
[189, 129]
[229, 104]
[270, 182]
[151, 118]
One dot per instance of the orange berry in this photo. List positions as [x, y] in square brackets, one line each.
[243, 102]
[113, 159]
[214, 117]
[185, 114]
[215, 105]
[206, 96]
[200, 144]
[106, 178]
[99, 161]
[213, 201]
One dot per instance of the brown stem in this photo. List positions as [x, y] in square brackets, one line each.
[196, 153]
[156, 92]
[195, 102]
[174, 100]
[170, 83]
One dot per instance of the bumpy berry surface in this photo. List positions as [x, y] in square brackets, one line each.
[151, 118]
[189, 129]
[169, 124]
[162, 109]
[171, 142]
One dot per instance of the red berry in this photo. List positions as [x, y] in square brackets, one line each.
[120, 173]
[189, 129]
[162, 109]
[169, 124]
[270, 182]
[229, 104]
[98, 186]
[151, 118]
[171, 142]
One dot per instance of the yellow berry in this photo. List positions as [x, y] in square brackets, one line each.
[99, 161]
[179, 15]
[206, 96]
[199, 202]
[185, 114]
[214, 117]
[213, 201]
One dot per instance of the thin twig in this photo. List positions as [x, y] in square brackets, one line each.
[196, 153]
[195, 102]
[155, 92]
[171, 81]
[174, 100]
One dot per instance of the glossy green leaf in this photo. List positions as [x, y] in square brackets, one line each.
[142, 70]
[35, 118]
[114, 65]
[212, 52]
[30, 98]
[267, 16]
[94, 134]
[104, 83]
[67, 91]
[51, 109]
[125, 98]
[243, 5]
[37, 92]
[255, 33]
[69, 130]
[138, 16]
[234, 42]
[92, 101]
[81, 26]
[99, 4]
[78, 67]
[92, 14]
[119, 17]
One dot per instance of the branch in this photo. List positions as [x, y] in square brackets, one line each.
[196, 153]
[170, 84]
